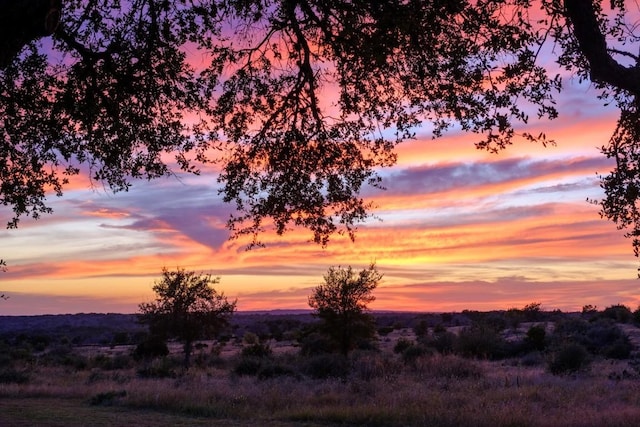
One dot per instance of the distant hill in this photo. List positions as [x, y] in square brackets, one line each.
[100, 328]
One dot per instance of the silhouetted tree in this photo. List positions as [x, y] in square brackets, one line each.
[114, 89]
[186, 308]
[3, 269]
[341, 304]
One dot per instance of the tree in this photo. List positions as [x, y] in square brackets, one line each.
[186, 308]
[23, 21]
[114, 90]
[341, 304]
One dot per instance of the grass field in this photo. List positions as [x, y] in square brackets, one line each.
[381, 390]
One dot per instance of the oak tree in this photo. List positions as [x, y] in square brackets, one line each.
[341, 305]
[186, 308]
[301, 101]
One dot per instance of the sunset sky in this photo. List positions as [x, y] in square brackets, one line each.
[456, 229]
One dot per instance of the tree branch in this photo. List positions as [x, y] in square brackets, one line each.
[603, 68]
[22, 21]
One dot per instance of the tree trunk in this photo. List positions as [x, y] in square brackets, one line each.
[602, 67]
[22, 21]
[188, 348]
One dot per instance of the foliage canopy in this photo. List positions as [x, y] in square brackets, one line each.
[341, 304]
[121, 84]
[186, 308]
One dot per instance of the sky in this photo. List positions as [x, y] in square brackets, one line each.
[457, 228]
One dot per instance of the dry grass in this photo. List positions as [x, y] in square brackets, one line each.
[435, 391]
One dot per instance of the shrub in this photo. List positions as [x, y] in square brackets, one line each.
[443, 341]
[257, 349]
[401, 345]
[481, 341]
[602, 337]
[495, 321]
[414, 352]
[316, 343]
[568, 358]
[536, 337]
[532, 311]
[324, 366]
[589, 310]
[619, 313]
[620, 349]
[250, 338]
[63, 355]
[247, 366]
[421, 328]
[151, 348]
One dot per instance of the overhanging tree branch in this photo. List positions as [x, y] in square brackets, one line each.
[22, 21]
[603, 68]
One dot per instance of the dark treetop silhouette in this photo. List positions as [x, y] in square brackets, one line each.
[187, 308]
[113, 89]
[341, 305]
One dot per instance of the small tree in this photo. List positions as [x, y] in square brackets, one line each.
[186, 308]
[341, 304]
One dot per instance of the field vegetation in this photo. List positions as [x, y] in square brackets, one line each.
[519, 367]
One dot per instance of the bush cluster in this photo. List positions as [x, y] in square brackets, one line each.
[566, 346]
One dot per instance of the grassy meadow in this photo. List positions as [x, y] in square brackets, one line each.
[407, 378]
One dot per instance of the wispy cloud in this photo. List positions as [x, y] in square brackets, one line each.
[460, 229]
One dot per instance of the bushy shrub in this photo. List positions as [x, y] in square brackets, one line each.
[494, 321]
[413, 353]
[602, 337]
[402, 344]
[606, 337]
[481, 341]
[619, 313]
[568, 358]
[324, 366]
[536, 337]
[151, 348]
[257, 349]
[62, 355]
[619, 349]
[250, 338]
[421, 328]
[315, 344]
[443, 341]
